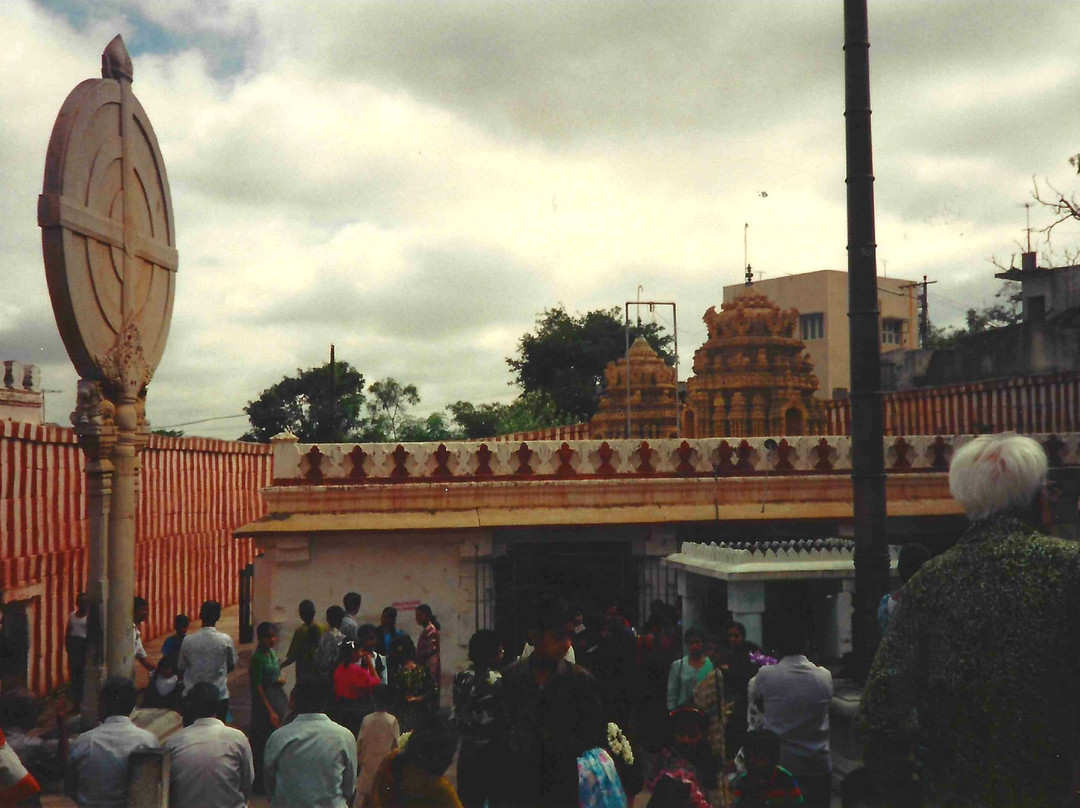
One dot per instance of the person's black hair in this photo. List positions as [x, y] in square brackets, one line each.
[307, 611]
[692, 634]
[671, 792]
[484, 646]
[912, 557]
[264, 630]
[390, 610]
[402, 649]
[210, 613]
[366, 632]
[118, 696]
[203, 700]
[383, 696]
[309, 697]
[181, 621]
[431, 747]
[18, 710]
[858, 788]
[423, 607]
[345, 653]
[352, 601]
[765, 742]
[549, 613]
[334, 616]
[739, 626]
[793, 638]
[139, 603]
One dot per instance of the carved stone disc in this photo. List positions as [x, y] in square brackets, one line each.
[107, 234]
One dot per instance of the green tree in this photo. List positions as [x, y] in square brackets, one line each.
[527, 411]
[434, 427]
[319, 405]
[565, 358]
[169, 433]
[389, 405]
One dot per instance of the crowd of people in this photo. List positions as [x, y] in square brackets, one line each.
[593, 715]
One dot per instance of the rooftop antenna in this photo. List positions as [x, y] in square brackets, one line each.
[746, 254]
[1027, 210]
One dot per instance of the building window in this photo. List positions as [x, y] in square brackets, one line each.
[812, 326]
[892, 332]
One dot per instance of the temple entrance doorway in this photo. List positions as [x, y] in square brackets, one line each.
[591, 575]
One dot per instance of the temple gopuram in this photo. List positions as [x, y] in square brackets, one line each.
[652, 397]
[751, 378]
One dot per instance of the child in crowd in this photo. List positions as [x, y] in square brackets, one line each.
[164, 690]
[377, 739]
[414, 690]
[367, 639]
[685, 756]
[766, 784]
[171, 646]
[354, 682]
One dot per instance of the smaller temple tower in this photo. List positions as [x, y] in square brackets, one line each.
[652, 397]
[752, 377]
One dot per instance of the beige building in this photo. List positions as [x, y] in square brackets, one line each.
[822, 301]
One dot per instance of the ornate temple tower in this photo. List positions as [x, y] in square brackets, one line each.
[652, 397]
[751, 377]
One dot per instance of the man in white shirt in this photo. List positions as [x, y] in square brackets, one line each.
[97, 774]
[207, 656]
[211, 763]
[139, 611]
[310, 761]
[794, 696]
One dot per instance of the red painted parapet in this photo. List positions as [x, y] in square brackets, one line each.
[1029, 404]
[475, 461]
[193, 493]
[568, 432]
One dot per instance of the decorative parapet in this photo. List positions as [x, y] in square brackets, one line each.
[763, 561]
[21, 397]
[477, 461]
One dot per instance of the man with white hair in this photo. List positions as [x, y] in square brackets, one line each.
[973, 696]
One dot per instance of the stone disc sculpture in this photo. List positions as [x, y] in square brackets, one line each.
[107, 229]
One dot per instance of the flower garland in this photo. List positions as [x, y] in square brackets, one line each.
[618, 744]
[403, 740]
[758, 658]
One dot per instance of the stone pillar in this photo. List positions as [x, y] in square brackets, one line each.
[93, 422]
[692, 593]
[119, 649]
[746, 602]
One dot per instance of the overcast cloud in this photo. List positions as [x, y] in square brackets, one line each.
[415, 181]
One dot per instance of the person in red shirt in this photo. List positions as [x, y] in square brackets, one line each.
[355, 680]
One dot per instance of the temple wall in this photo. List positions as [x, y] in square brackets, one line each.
[194, 491]
[1045, 403]
[433, 567]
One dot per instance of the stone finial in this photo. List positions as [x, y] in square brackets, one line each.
[20, 376]
[116, 61]
[284, 437]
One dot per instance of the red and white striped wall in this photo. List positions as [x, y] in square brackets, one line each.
[1035, 404]
[194, 492]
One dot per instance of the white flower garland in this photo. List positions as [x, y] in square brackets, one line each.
[618, 744]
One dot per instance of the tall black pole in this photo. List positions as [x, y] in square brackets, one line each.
[867, 425]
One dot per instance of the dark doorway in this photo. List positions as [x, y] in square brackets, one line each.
[591, 575]
[14, 645]
[793, 422]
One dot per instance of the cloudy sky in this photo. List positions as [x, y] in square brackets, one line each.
[415, 181]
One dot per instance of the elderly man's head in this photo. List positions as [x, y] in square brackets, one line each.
[998, 474]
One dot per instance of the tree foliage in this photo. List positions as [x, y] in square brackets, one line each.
[318, 405]
[997, 315]
[528, 411]
[389, 404]
[564, 359]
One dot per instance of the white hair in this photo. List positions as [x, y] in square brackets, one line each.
[996, 474]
